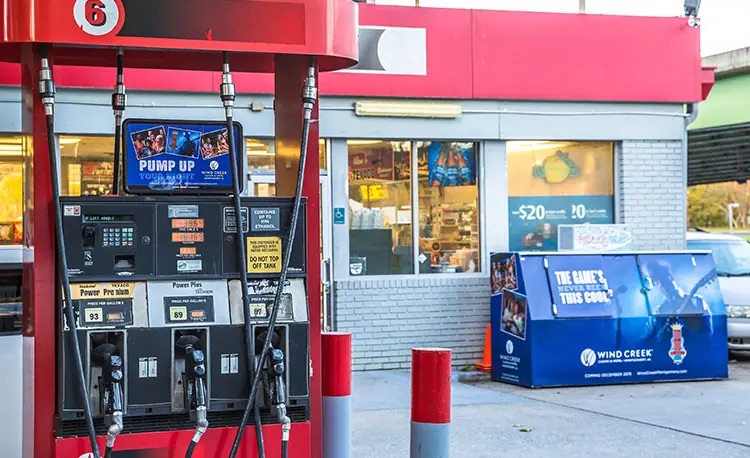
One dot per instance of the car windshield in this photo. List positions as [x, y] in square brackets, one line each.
[732, 258]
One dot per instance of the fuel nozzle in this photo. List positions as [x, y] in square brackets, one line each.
[195, 372]
[278, 392]
[105, 355]
[276, 372]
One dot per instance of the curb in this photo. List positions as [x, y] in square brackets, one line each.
[470, 377]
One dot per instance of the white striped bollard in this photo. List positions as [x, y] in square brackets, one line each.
[430, 402]
[336, 349]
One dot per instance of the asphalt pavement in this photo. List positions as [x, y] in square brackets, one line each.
[491, 419]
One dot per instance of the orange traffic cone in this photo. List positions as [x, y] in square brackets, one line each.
[486, 364]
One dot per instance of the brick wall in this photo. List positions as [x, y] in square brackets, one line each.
[387, 318]
[652, 195]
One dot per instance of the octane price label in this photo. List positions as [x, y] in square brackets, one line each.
[98, 17]
[94, 315]
[178, 313]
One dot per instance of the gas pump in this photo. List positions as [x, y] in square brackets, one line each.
[183, 306]
[178, 304]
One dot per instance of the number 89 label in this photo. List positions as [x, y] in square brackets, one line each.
[178, 313]
[98, 17]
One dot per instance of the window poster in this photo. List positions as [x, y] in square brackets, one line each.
[373, 163]
[553, 183]
[451, 164]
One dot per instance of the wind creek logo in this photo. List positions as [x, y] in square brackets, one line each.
[590, 357]
[214, 165]
[509, 347]
[677, 352]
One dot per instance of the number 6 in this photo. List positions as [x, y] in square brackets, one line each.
[97, 17]
[95, 14]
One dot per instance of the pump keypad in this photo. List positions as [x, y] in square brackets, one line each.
[117, 237]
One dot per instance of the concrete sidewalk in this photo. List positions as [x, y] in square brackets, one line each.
[494, 420]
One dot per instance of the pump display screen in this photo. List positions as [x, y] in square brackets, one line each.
[183, 237]
[105, 218]
[174, 157]
[197, 223]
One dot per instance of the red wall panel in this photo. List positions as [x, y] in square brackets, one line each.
[585, 57]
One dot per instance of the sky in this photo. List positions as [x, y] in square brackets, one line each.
[725, 24]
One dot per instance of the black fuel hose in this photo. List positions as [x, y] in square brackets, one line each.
[309, 97]
[191, 449]
[284, 449]
[118, 107]
[227, 98]
[47, 94]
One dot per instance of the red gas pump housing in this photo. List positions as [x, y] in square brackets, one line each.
[263, 36]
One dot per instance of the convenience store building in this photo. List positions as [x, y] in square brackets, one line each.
[460, 132]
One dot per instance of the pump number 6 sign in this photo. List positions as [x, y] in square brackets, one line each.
[97, 17]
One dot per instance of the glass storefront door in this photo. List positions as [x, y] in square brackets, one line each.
[263, 185]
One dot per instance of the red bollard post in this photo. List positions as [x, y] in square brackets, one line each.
[336, 350]
[430, 402]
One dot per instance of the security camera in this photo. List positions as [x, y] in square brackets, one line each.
[692, 7]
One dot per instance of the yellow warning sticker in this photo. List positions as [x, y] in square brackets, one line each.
[119, 290]
[263, 255]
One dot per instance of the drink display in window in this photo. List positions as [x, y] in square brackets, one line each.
[448, 208]
[554, 183]
[451, 164]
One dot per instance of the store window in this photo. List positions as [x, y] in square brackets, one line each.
[11, 190]
[380, 206]
[87, 165]
[448, 208]
[385, 196]
[261, 154]
[553, 183]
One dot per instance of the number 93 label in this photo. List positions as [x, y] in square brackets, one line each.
[97, 17]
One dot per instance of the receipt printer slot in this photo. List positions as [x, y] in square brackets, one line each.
[124, 262]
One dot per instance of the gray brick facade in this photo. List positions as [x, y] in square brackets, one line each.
[651, 193]
[387, 318]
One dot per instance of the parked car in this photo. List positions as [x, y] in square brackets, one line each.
[732, 258]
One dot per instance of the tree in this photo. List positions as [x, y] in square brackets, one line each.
[707, 204]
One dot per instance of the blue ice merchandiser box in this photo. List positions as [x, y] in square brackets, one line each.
[571, 319]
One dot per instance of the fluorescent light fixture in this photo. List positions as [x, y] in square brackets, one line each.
[10, 150]
[442, 110]
[363, 142]
[524, 147]
[69, 140]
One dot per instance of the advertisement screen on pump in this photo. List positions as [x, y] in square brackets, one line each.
[179, 157]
